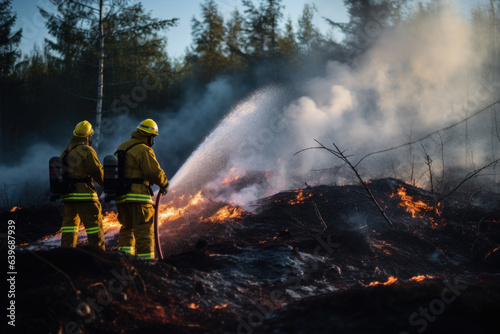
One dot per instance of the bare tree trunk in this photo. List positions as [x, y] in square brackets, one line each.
[99, 80]
[495, 134]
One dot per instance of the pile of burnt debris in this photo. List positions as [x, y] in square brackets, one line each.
[314, 260]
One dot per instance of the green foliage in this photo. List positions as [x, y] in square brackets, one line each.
[235, 41]
[8, 40]
[262, 27]
[367, 20]
[208, 42]
[133, 48]
[308, 35]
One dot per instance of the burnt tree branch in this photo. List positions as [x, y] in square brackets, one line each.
[428, 162]
[469, 176]
[342, 156]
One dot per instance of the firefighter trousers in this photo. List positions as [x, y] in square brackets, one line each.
[137, 230]
[89, 213]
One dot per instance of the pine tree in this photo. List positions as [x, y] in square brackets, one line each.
[83, 30]
[288, 45]
[308, 35]
[9, 40]
[262, 27]
[367, 19]
[208, 41]
[235, 40]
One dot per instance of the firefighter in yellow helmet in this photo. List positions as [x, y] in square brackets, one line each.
[135, 204]
[80, 201]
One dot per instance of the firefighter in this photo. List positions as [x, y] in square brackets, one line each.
[80, 200]
[135, 204]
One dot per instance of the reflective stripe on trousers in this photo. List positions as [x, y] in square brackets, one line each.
[128, 250]
[134, 198]
[147, 256]
[79, 196]
[92, 230]
[69, 229]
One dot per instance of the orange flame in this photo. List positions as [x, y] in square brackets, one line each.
[218, 307]
[230, 178]
[110, 221]
[170, 212]
[15, 208]
[226, 212]
[227, 180]
[390, 281]
[299, 198]
[193, 306]
[411, 206]
[415, 207]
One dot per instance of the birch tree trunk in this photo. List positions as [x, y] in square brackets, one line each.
[99, 80]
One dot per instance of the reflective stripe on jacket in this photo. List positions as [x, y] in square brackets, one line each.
[140, 163]
[82, 163]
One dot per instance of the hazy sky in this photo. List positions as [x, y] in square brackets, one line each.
[178, 37]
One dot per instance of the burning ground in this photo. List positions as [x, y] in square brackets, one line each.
[318, 259]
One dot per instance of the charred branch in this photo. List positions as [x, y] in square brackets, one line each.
[469, 176]
[345, 158]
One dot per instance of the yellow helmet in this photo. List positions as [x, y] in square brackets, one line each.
[83, 129]
[148, 126]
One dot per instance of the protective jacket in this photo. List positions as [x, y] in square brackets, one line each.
[83, 168]
[141, 166]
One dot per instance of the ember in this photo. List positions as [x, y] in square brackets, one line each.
[299, 198]
[193, 306]
[15, 209]
[493, 251]
[420, 278]
[382, 245]
[217, 307]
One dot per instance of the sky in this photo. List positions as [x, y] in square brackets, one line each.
[179, 37]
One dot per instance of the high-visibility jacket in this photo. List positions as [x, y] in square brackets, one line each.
[83, 168]
[140, 163]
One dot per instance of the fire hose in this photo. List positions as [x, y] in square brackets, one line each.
[158, 252]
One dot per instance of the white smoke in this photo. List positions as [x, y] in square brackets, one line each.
[417, 79]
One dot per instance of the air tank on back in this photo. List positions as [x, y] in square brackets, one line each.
[110, 177]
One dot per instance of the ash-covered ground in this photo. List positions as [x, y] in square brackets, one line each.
[316, 260]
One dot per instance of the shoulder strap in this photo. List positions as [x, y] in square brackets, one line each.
[135, 144]
[66, 152]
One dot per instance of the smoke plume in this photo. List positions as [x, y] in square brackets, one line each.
[419, 78]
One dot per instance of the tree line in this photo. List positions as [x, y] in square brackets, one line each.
[120, 42]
